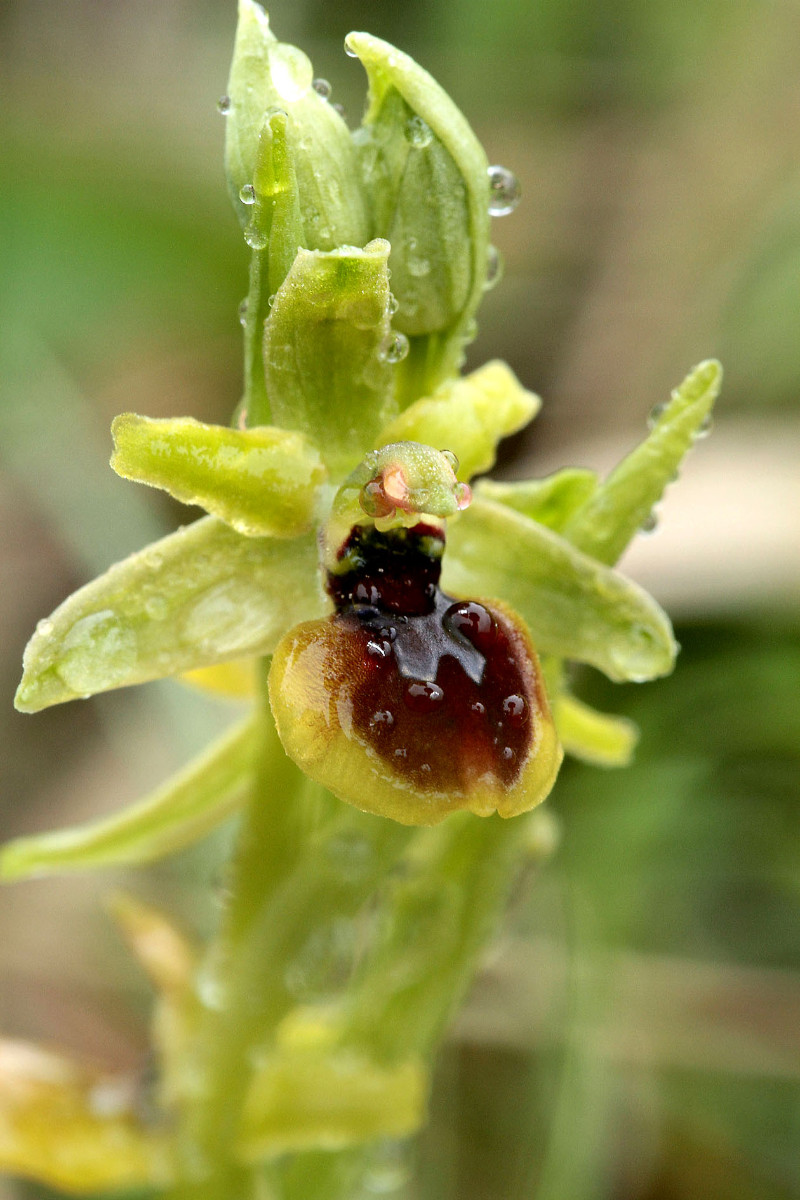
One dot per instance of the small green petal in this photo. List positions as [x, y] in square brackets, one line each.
[304, 1099]
[468, 416]
[574, 606]
[327, 357]
[267, 75]
[427, 177]
[551, 501]
[608, 520]
[263, 482]
[181, 811]
[202, 595]
[594, 737]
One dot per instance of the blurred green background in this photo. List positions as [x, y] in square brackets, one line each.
[636, 1033]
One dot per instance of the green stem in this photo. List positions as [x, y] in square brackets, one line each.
[255, 402]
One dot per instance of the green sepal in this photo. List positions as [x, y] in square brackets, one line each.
[468, 416]
[202, 595]
[574, 606]
[326, 351]
[180, 812]
[594, 737]
[426, 175]
[605, 524]
[267, 75]
[551, 501]
[263, 482]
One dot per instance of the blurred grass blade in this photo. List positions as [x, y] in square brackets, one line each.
[594, 737]
[550, 501]
[179, 812]
[608, 520]
[575, 607]
[200, 596]
[262, 482]
[468, 416]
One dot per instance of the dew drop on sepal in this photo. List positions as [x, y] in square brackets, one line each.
[247, 194]
[224, 105]
[323, 88]
[504, 191]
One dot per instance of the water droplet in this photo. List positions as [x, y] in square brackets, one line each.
[393, 305]
[291, 71]
[650, 523]
[508, 754]
[451, 458]
[156, 607]
[379, 648]
[322, 88]
[366, 593]
[247, 194]
[655, 415]
[44, 628]
[243, 312]
[472, 621]
[401, 752]
[349, 51]
[98, 653]
[396, 350]
[418, 134]
[423, 697]
[224, 105]
[255, 237]
[463, 496]
[271, 299]
[478, 708]
[514, 709]
[494, 267]
[340, 110]
[504, 191]
[706, 427]
[382, 718]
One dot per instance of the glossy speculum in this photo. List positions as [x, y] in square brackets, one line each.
[444, 689]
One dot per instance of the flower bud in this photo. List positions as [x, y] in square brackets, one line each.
[426, 175]
[408, 703]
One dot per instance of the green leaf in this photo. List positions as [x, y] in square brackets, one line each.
[427, 176]
[594, 737]
[574, 606]
[468, 416]
[326, 351]
[551, 501]
[610, 517]
[263, 482]
[181, 811]
[202, 595]
[268, 75]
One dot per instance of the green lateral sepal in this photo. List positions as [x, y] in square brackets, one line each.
[200, 596]
[269, 77]
[468, 416]
[623, 503]
[327, 350]
[574, 606]
[426, 176]
[551, 501]
[180, 812]
[594, 737]
[263, 482]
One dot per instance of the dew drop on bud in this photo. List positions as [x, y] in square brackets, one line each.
[514, 708]
[247, 194]
[349, 51]
[451, 458]
[243, 312]
[381, 718]
[422, 697]
[494, 267]
[393, 305]
[706, 426]
[650, 523]
[463, 495]
[322, 88]
[256, 238]
[417, 133]
[396, 350]
[504, 191]
[655, 415]
[224, 105]
[472, 621]
[339, 109]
